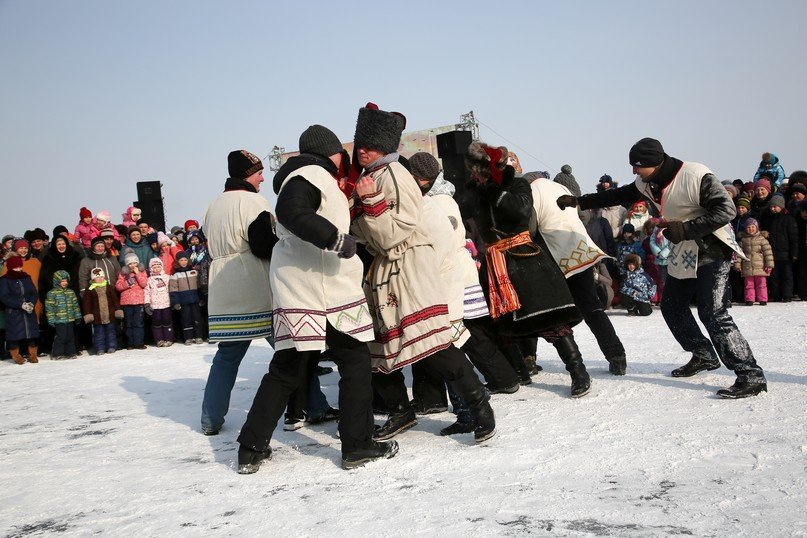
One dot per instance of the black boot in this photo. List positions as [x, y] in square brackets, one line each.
[400, 420]
[459, 427]
[571, 357]
[516, 360]
[617, 365]
[743, 389]
[533, 368]
[361, 456]
[696, 364]
[473, 393]
[250, 460]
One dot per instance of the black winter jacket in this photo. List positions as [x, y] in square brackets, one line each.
[783, 235]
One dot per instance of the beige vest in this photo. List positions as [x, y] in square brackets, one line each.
[311, 285]
[565, 234]
[680, 200]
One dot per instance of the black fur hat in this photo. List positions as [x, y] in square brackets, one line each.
[378, 129]
[479, 157]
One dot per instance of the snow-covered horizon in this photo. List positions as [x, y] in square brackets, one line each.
[111, 445]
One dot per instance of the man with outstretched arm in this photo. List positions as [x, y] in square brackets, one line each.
[696, 212]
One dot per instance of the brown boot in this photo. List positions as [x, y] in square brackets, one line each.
[32, 351]
[15, 356]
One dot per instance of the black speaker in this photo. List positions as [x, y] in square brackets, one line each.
[453, 143]
[149, 190]
[153, 212]
[454, 170]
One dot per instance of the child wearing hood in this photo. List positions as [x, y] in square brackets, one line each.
[637, 288]
[166, 251]
[770, 166]
[131, 217]
[131, 285]
[103, 222]
[758, 266]
[18, 295]
[62, 311]
[101, 308]
[158, 304]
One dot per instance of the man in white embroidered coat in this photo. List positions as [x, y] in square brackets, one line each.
[576, 254]
[238, 226]
[697, 212]
[409, 305]
[318, 302]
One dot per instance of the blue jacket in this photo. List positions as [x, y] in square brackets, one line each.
[623, 249]
[638, 285]
[20, 325]
[776, 171]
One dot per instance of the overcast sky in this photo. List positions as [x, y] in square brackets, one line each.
[97, 95]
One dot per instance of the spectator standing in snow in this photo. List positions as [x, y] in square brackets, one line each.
[758, 265]
[18, 295]
[62, 311]
[131, 286]
[783, 235]
[158, 304]
[698, 211]
[101, 309]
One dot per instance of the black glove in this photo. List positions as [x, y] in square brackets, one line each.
[673, 230]
[344, 246]
[567, 200]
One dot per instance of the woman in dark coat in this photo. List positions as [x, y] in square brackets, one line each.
[18, 295]
[60, 256]
[526, 290]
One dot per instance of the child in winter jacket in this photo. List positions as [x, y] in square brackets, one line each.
[166, 252]
[637, 288]
[131, 286]
[659, 247]
[184, 290]
[158, 304]
[18, 295]
[783, 235]
[759, 264]
[85, 231]
[627, 244]
[101, 308]
[62, 311]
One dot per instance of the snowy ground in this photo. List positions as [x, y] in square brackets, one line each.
[111, 445]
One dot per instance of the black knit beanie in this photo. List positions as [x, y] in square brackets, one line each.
[566, 179]
[646, 153]
[241, 164]
[319, 140]
[423, 165]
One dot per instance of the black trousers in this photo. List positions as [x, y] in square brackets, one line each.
[191, 316]
[780, 281]
[584, 293]
[485, 355]
[448, 364]
[643, 309]
[286, 374]
[65, 341]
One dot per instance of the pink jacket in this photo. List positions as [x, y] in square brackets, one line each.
[127, 218]
[156, 291]
[86, 233]
[131, 287]
[108, 226]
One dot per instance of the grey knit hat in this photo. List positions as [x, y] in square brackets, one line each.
[378, 129]
[129, 256]
[778, 200]
[566, 179]
[319, 140]
[423, 165]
